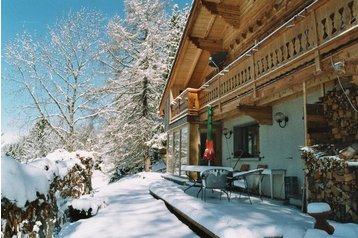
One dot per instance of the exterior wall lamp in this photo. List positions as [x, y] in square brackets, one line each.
[279, 117]
[227, 133]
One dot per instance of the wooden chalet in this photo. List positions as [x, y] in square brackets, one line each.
[273, 71]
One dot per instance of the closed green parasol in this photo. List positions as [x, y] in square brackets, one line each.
[209, 145]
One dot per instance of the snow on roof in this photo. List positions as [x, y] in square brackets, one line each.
[20, 182]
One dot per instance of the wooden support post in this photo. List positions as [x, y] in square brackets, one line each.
[317, 43]
[304, 90]
[323, 89]
[220, 93]
[305, 185]
[194, 140]
[180, 150]
[253, 73]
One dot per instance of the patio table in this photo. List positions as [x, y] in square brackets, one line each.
[199, 169]
[271, 173]
[239, 174]
[242, 177]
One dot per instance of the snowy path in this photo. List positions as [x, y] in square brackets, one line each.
[130, 212]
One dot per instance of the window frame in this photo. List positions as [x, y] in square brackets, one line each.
[241, 140]
[177, 155]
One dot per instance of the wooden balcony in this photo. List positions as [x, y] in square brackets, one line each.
[320, 29]
[187, 103]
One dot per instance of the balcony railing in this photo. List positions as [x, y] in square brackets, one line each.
[187, 103]
[299, 40]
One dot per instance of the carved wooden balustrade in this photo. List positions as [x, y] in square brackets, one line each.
[187, 103]
[312, 32]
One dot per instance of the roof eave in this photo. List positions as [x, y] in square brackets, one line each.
[190, 21]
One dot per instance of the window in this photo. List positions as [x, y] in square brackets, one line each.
[178, 146]
[170, 165]
[246, 138]
[184, 153]
[176, 157]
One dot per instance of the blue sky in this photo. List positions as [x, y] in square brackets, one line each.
[34, 16]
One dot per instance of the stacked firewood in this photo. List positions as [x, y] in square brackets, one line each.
[37, 220]
[331, 180]
[339, 113]
[40, 217]
[77, 182]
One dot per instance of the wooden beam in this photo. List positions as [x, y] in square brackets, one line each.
[195, 59]
[194, 140]
[230, 13]
[213, 46]
[262, 114]
[304, 89]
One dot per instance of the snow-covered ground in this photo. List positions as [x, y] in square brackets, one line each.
[127, 209]
[132, 212]
[239, 218]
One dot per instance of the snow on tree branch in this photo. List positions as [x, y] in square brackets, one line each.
[61, 71]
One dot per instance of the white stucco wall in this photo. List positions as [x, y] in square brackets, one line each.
[279, 147]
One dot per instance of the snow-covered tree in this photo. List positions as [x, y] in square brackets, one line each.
[14, 150]
[176, 26]
[40, 141]
[87, 138]
[60, 72]
[138, 47]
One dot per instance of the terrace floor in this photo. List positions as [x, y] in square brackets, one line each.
[239, 218]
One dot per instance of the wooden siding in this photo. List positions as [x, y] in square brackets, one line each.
[305, 42]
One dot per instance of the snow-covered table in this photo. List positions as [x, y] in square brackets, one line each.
[240, 174]
[201, 168]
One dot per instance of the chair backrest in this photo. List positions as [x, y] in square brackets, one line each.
[245, 167]
[214, 178]
[262, 166]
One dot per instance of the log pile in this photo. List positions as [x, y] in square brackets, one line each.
[40, 217]
[78, 180]
[331, 180]
[339, 114]
[37, 220]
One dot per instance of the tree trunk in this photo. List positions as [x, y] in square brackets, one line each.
[147, 163]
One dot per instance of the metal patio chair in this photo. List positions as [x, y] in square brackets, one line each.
[214, 179]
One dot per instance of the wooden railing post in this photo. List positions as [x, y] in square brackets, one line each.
[253, 77]
[316, 43]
